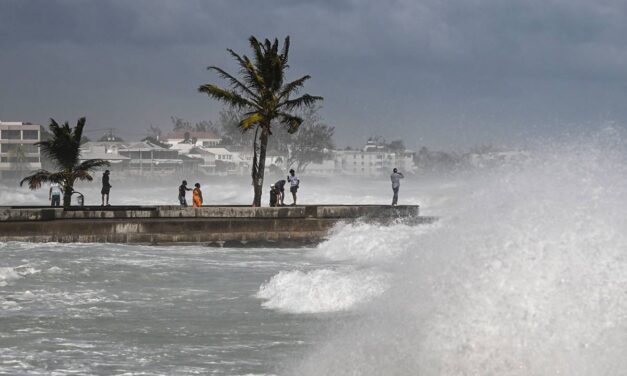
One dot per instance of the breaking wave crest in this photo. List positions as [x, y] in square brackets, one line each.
[320, 290]
[525, 275]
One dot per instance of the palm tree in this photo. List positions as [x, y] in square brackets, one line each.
[64, 149]
[263, 96]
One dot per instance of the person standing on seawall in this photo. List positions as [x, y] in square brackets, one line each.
[197, 196]
[106, 188]
[54, 194]
[182, 190]
[396, 184]
[280, 187]
[294, 184]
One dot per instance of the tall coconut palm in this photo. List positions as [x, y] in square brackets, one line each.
[64, 149]
[264, 96]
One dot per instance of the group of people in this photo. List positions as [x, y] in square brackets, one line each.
[196, 195]
[55, 191]
[277, 190]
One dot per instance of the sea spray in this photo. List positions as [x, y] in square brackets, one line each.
[525, 276]
[321, 290]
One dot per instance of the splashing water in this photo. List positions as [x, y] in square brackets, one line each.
[525, 275]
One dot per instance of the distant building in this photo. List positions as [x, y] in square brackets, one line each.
[215, 160]
[18, 154]
[107, 150]
[373, 160]
[139, 158]
[243, 156]
[204, 139]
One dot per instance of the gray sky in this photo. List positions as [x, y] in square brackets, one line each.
[440, 73]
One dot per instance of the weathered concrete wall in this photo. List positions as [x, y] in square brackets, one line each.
[231, 225]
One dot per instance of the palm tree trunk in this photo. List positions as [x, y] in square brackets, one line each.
[67, 194]
[258, 179]
[67, 198]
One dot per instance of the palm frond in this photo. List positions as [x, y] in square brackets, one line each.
[305, 100]
[235, 83]
[64, 146]
[248, 71]
[227, 96]
[258, 49]
[292, 87]
[91, 164]
[78, 130]
[285, 52]
[36, 180]
[250, 121]
[292, 122]
[83, 175]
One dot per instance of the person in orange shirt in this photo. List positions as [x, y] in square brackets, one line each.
[197, 196]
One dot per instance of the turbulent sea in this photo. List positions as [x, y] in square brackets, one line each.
[524, 274]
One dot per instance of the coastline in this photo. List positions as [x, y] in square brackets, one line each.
[222, 226]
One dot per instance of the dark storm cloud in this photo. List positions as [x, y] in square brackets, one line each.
[428, 71]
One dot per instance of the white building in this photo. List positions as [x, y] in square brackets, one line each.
[216, 160]
[193, 138]
[18, 154]
[372, 162]
[138, 158]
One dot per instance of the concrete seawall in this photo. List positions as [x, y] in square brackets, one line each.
[211, 225]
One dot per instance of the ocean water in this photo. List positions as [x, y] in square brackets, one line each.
[525, 273]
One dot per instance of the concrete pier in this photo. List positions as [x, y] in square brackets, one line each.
[210, 225]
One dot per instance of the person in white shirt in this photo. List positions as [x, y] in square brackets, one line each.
[54, 194]
[294, 183]
[396, 184]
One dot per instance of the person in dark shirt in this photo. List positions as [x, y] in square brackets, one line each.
[396, 184]
[182, 191]
[106, 188]
[280, 187]
[274, 195]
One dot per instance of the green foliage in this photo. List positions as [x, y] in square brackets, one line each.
[63, 148]
[179, 124]
[312, 143]
[262, 95]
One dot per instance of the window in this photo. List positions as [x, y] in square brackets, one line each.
[15, 160]
[30, 134]
[10, 135]
[9, 148]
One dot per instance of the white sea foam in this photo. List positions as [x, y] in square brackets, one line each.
[55, 270]
[370, 243]
[7, 275]
[525, 276]
[320, 290]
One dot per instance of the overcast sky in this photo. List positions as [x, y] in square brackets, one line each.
[439, 73]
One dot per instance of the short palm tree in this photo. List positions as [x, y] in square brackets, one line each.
[263, 95]
[64, 149]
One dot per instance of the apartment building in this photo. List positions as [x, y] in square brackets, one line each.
[18, 153]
